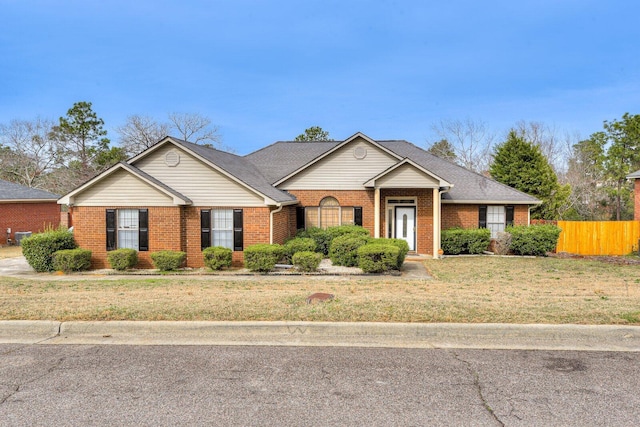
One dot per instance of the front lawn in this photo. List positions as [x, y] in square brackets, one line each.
[463, 289]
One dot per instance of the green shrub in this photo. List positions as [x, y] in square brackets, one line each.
[341, 230]
[39, 248]
[217, 257]
[534, 240]
[320, 236]
[456, 241]
[401, 244]
[299, 244]
[72, 260]
[344, 249]
[378, 258]
[121, 259]
[306, 260]
[262, 257]
[168, 260]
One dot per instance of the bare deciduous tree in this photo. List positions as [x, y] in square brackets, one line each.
[140, 133]
[29, 153]
[548, 138]
[471, 141]
[194, 127]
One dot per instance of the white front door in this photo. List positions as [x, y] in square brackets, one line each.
[406, 225]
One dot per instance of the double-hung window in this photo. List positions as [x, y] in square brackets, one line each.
[221, 227]
[127, 228]
[496, 218]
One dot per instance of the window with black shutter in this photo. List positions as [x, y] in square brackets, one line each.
[300, 218]
[509, 215]
[205, 228]
[238, 234]
[357, 215]
[143, 230]
[482, 215]
[111, 229]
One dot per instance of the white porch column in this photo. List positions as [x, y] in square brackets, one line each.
[376, 214]
[436, 222]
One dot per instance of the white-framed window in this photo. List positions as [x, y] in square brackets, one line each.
[495, 219]
[127, 228]
[222, 228]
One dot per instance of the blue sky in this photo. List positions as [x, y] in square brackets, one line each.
[265, 70]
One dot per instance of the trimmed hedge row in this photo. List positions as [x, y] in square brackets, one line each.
[68, 260]
[456, 241]
[306, 261]
[534, 240]
[121, 259]
[217, 257]
[262, 257]
[378, 257]
[168, 260]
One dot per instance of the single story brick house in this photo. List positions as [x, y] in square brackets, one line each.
[636, 194]
[181, 196]
[24, 209]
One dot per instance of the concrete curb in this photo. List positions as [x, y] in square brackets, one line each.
[397, 335]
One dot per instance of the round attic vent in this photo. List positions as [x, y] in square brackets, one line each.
[360, 153]
[172, 158]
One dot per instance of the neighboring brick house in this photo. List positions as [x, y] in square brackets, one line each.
[636, 194]
[181, 196]
[24, 209]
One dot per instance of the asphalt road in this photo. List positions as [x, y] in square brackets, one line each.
[65, 385]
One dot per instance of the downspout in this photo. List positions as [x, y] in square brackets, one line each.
[271, 223]
[438, 230]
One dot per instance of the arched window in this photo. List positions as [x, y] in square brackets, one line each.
[329, 212]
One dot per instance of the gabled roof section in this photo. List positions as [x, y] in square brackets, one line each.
[178, 198]
[470, 187]
[634, 175]
[12, 192]
[238, 169]
[406, 161]
[306, 155]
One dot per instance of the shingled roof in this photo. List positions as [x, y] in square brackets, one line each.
[10, 191]
[282, 158]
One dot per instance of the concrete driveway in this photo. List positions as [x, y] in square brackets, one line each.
[15, 267]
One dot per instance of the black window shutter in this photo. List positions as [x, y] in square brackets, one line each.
[143, 230]
[111, 229]
[509, 213]
[299, 218]
[205, 228]
[357, 215]
[238, 238]
[482, 223]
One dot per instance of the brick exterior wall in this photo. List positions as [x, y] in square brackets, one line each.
[636, 199]
[467, 216]
[173, 228]
[34, 217]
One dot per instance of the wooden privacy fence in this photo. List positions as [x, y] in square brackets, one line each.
[598, 237]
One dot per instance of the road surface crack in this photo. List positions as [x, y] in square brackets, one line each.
[15, 388]
[478, 385]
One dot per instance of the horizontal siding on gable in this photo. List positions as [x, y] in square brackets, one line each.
[122, 189]
[196, 180]
[406, 176]
[341, 170]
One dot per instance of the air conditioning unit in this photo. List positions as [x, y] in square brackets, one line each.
[19, 235]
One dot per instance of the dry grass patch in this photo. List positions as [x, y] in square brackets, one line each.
[10, 252]
[465, 289]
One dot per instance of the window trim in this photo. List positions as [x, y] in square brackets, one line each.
[301, 214]
[509, 216]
